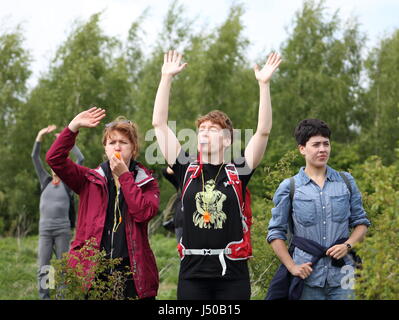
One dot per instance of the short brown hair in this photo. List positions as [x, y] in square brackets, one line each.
[126, 127]
[218, 117]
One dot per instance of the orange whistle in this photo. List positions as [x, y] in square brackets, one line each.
[207, 217]
[118, 155]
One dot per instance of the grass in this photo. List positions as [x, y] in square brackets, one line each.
[168, 262]
[18, 267]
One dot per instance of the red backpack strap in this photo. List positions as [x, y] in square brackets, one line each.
[235, 182]
[247, 207]
[192, 172]
[240, 250]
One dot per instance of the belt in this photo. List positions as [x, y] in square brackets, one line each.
[210, 252]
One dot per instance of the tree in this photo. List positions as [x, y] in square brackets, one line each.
[88, 69]
[14, 72]
[218, 75]
[378, 274]
[319, 76]
[379, 115]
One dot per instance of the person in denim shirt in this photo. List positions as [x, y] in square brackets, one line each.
[323, 210]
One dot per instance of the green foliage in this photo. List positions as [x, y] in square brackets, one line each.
[94, 277]
[379, 252]
[344, 156]
[379, 114]
[265, 262]
[14, 72]
[168, 262]
[320, 74]
[88, 69]
[323, 75]
[379, 185]
[18, 268]
[18, 277]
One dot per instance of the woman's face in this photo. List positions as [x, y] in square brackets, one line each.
[316, 151]
[212, 138]
[118, 142]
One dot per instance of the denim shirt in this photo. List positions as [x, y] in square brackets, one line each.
[322, 215]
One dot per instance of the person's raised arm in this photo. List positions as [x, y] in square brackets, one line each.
[79, 155]
[76, 151]
[37, 162]
[257, 145]
[87, 119]
[167, 140]
[57, 156]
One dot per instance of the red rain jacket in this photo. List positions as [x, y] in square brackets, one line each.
[141, 195]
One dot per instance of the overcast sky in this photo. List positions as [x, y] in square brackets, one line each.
[46, 23]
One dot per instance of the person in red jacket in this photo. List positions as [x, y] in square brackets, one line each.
[117, 199]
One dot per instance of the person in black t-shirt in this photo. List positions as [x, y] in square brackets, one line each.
[211, 210]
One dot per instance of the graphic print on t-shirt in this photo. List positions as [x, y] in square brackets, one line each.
[209, 205]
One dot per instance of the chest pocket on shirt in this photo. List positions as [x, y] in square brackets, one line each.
[340, 207]
[305, 211]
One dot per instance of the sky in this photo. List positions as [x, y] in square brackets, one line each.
[47, 23]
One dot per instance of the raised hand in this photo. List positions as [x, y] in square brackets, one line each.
[172, 63]
[87, 119]
[44, 131]
[48, 129]
[265, 74]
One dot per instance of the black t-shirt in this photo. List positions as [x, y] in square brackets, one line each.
[171, 178]
[117, 239]
[211, 218]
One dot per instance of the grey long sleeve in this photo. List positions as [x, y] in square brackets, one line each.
[79, 155]
[54, 201]
[38, 164]
[41, 172]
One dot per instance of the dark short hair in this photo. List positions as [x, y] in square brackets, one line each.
[309, 128]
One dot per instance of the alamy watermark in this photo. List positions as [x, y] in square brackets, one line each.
[47, 279]
[191, 141]
[348, 280]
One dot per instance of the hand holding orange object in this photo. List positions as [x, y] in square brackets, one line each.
[118, 167]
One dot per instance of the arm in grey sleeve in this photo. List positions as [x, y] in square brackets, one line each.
[79, 155]
[41, 172]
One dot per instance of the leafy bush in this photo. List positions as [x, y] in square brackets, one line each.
[380, 271]
[379, 185]
[264, 263]
[94, 277]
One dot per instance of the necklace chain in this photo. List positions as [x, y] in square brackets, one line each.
[202, 175]
[203, 184]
